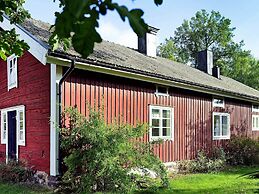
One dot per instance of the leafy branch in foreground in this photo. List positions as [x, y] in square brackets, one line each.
[101, 158]
[9, 40]
[78, 21]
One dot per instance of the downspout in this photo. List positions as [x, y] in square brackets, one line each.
[64, 77]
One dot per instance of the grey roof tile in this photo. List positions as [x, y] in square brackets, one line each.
[118, 55]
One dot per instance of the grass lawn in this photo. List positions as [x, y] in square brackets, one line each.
[223, 182]
[20, 189]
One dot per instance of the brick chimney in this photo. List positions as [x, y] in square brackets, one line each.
[148, 43]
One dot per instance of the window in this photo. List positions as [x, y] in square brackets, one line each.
[161, 121]
[20, 124]
[3, 127]
[221, 126]
[255, 122]
[255, 108]
[218, 102]
[162, 91]
[12, 71]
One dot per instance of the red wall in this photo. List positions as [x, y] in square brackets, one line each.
[128, 100]
[34, 92]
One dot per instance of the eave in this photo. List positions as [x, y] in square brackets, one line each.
[116, 70]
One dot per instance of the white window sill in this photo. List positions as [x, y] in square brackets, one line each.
[255, 129]
[161, 94]
[11, 87]
[218, 106]
[161, 139]
[221, 138]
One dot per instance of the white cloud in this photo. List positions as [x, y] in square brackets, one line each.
[118, 35]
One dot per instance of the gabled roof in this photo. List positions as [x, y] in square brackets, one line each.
[126, 59]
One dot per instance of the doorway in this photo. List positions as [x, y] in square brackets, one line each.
[11, 144]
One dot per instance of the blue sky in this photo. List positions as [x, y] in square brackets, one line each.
[243, 14]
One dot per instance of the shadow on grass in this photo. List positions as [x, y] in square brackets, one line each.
[198, 191]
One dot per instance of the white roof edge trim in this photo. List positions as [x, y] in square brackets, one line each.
[136, 76]
[36, 47]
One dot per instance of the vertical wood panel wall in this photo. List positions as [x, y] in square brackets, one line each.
[128, 101]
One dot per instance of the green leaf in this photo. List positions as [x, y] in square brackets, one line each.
[85, 36]
[122, 10]
[3, 55]
[137, 23]
[158, 2]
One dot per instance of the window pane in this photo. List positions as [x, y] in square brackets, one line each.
[4, 134]
[166, 132]
[155, 122]
[256, 107]
[155, 131]
[21, 115]
[224, 125]
[4, 115]
[161, 89]
[166, 123]
[21, 135]
[21, 125]
[253, 122]
[155, 113]
[218, 101]
[216, 125]
[257, 122]
[166, 113]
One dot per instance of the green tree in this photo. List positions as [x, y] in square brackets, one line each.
[212, 31]
[75, 25]
[205, 30]
[244, 68]
[168, 50]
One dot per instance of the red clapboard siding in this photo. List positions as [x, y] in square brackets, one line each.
[128, 101]
[34, 92]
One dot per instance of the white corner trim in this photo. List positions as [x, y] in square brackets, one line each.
[53, 123]
[36, 48]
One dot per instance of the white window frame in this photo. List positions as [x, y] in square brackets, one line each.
[15, 69]
[18, 109]
[255, 117]
[255, 109]
[161, 108]
[221, 136]
[218, 105]
[3, 127]
[160, 93]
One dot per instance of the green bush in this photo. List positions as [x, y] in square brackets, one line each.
[15, 172]
[204, 163]
[242, 151]
[99, 157]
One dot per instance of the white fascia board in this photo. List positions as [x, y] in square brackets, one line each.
[136, 76]
[37, 48]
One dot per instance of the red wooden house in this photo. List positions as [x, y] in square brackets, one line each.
[189, 108]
